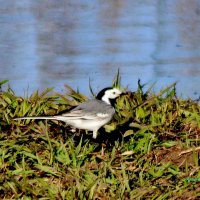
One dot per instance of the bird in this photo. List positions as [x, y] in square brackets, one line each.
[90, 115]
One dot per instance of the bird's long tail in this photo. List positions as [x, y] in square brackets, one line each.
[39, 117]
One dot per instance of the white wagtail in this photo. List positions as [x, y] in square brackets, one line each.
[90, 115]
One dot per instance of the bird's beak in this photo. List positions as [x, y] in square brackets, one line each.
[123, 92]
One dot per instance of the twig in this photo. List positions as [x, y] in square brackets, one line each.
[189, 150]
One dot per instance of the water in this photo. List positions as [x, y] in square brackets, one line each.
[50, 43]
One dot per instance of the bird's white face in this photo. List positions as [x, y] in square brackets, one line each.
[112, 93]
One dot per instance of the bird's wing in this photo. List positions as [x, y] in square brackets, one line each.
[92, 109]
[83, 114]
[79, 114]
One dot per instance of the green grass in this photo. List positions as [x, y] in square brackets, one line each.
[150, 150]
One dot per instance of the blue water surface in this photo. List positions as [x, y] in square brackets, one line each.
[50, 43]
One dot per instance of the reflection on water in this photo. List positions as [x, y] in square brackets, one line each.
[51, 43]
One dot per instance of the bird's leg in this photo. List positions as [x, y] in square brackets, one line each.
[95, 134]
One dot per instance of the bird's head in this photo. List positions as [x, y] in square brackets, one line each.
[108, 94]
